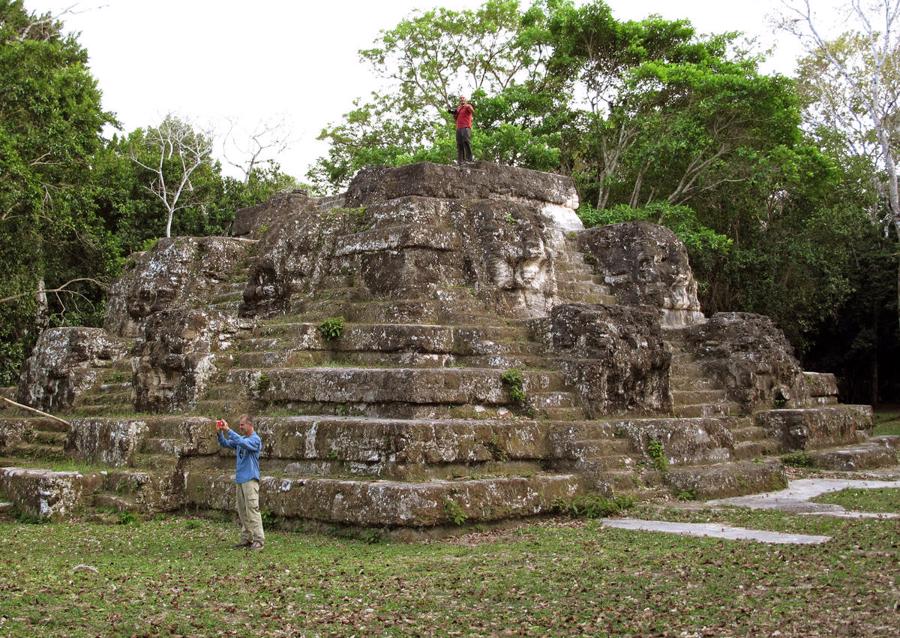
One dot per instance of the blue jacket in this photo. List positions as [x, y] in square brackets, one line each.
[248, 449]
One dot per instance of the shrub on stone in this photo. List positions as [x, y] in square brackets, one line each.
[332, 328]
[514, 381]
[592, 506]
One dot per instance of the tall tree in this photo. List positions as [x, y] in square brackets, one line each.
[171, 153]
[856, 80]
[50, 127]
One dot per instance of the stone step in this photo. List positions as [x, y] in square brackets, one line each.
[563, 414]
[880, 451]
[163, 446]
[725, 479]
[692, 397]
[748, 433]
[380, 410]
[228, 297]
[154, 461]
[34, 423]
[102, 409]
[52, 438]
[402, 311]
[544, 400]
[685, 368]
[692, 383]
[597, 465]
[589, 298]
[392, 503]
[37, 451]
[328, 358]
[121, 386]
[115, 502]
[6, 507]
[383, 385]
[598, 448]
[755, 449]
[105, 398]
[397, 335]
[706, 410]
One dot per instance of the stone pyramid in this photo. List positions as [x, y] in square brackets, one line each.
[436, 346]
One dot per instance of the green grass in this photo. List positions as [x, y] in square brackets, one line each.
[873, 500]
[887, 421]
[554, 578]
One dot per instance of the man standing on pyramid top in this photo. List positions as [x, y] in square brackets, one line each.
[463, 114]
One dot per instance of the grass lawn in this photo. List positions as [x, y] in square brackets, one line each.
[557, 577]
[887, 420]
[874, 500]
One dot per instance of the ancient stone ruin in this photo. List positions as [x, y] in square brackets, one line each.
[436, 346]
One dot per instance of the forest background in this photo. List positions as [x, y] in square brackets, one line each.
[785, 206]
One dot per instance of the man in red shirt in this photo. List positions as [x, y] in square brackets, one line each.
[463, 114]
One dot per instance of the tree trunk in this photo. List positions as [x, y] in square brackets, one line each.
[42, 313]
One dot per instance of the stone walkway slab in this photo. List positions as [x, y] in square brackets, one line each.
[715, 530]
[796, 498]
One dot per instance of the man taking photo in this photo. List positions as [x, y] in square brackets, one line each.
[463, 114]
[247, 446]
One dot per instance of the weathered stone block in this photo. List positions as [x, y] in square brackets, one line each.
[726, 479]
[613, 355]
[805, 428]
[177, 272]
[683, 441]
[177, 357]
[256, 221]
[391, 503]
[645, 265]
[46, 494]
[483, 180]
[65, 363]
[109, 441]
[751, 358]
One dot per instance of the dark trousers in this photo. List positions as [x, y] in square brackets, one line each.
[463, 145]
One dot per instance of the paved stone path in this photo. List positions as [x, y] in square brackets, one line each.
[715, 530]
[796, 499]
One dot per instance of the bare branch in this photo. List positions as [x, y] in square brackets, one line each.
[62, 288]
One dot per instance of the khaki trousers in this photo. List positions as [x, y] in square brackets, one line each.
[247, 505]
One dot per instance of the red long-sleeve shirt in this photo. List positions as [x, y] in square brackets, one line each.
[464, 116]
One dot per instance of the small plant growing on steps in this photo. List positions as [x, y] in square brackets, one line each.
[454, 511]
[332, 328]
[592, 506]
[262, 384]
[657, 454]
[515, 384]
[797, 459]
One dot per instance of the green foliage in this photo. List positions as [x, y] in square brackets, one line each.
[797, 459]
[593, 506]
[514, 381]
[454, 511]
[332, 328]
[262, 384]
[127, 518]
[682, 220]
[657, 454]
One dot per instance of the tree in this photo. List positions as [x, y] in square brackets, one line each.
[171, 152]
[262, 146]
[857, 84]
[50, 238]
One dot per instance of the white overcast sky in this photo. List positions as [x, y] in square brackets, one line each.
[211, 60]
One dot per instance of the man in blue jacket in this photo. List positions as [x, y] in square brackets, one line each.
[246, 477]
